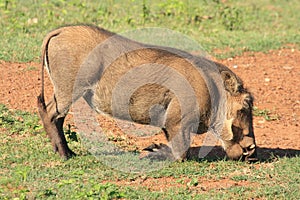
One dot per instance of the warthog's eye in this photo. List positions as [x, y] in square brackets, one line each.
[241, 89]
[248, 102]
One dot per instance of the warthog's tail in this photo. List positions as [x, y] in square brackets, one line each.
[45, 63]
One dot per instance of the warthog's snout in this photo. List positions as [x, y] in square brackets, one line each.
[238, 137]
[244, 150]
[249, 149]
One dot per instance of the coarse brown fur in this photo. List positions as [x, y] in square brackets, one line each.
[92, 62]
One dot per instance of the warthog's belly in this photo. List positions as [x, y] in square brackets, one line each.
[146, 105]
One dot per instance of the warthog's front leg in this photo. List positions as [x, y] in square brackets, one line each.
[178, 133]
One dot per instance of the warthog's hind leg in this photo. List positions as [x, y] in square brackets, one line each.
[54, 129]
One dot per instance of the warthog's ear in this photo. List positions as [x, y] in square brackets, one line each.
[231, 82]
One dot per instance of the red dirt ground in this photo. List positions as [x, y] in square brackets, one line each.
[272, 77]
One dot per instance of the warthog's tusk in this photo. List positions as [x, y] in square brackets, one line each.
[252, 146]
[245, 153]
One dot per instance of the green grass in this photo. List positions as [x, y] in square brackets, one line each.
[234, 26]
[265, 113]
[30, 170]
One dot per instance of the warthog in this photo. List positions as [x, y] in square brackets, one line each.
[165, 87]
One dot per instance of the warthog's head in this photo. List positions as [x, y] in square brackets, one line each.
[237, 135]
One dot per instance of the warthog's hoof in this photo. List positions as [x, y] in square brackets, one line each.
[158, 152]
[67, 154]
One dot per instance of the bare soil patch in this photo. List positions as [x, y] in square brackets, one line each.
[272, 77]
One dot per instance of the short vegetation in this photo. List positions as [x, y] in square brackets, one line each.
[234, 26]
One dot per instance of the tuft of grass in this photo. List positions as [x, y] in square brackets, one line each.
[265, 113]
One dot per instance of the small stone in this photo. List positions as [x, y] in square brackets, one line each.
[287, 67]
[267, 80]
[235, 66]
